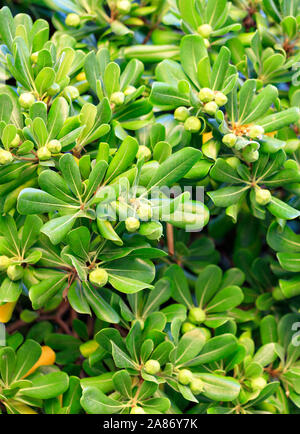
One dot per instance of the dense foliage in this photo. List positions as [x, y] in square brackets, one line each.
[149, 207]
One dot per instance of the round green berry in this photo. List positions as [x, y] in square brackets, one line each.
[72, 20]
[187, 327]
[129, 90]
[137, 410]
[98, 277]
[71, 92]
[144, 212]
[151, 230]
[211, 108]
[292, 145]
[34, 57]
[117, 98]
[192, 124]
[256, 131]
[143, 152]
[229, 140]
[4, 262]
[220, 99]
[43, 153]
[26, 100]
[185, 376]
[152, 367]
[15, 142]
[258, 383]
[124, 6]
[132, 224]
[15, 272]
[5, 157]
[206, 94]
[181, 114]
[54, 146]
[250, 156]
[53, 90]
[205, 30]
[196, 315]
[262, 196]
[197, 386]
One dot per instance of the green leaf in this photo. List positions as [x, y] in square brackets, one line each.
[47, 386]
[192, 51]
[219, 388]
[215, 349]
[96, 402]
[27, 355]
[282, 210]
[71, 174]
[227, 196]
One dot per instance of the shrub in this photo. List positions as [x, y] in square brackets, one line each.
[149, 207]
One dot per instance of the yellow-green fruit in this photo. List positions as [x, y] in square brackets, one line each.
[206, 94]
[26, 100]
[71, 92]
[211, 108]
[250, 156]
[137, 410]
[206, 43]
[206, 333]
[258, 383]
[72, 20]
[4, 262]
[54, 89]
[256, 131]
[205, 30]
[98, 277]
[197, 386]
[143, 152]
[243, 396]
[81, 76]
[181, 114]
[220, 99]
[34, 57]
[129, 90]
[192, 124]
[262, 196]
[292, 145]
[196, 315]
[5, 157]
[144, 212]
[15, 142]
[15, 272]
[229, 140]
[152, 367]
[54, 146]
[124, 6]
[43, 153]
[132, 224]
[187, 327]
[117, 98]
[185, 377]
[151, 230]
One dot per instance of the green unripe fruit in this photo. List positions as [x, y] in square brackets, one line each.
[129, 90]
[124, 6]
[187, 327]
[137, 410]
[258, 383]
[117, 98]
[220, 99]
[98, 277]
[206, 94]
[206, 333]
[181, 114]
[54, 89]
[206, 43]
[5, 157]
[151, 230]
[143, 152]
[132, 224]
[71, 92]
[205, 30]
[72, 20]
[4, 262]
[192, 124]
[34, 57]
[262, 196]
[185, 377]
[250, 156]
[197, 386]
[144, 212]
[15, 142]
[292, 145]
[44, 154]
[15, 272]
[243, 396]
[229, 140]
[211, 108]
[196, 315]
[26, 100]
[256, 131]
[54, 146]
[211, 148]
[152, 367]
